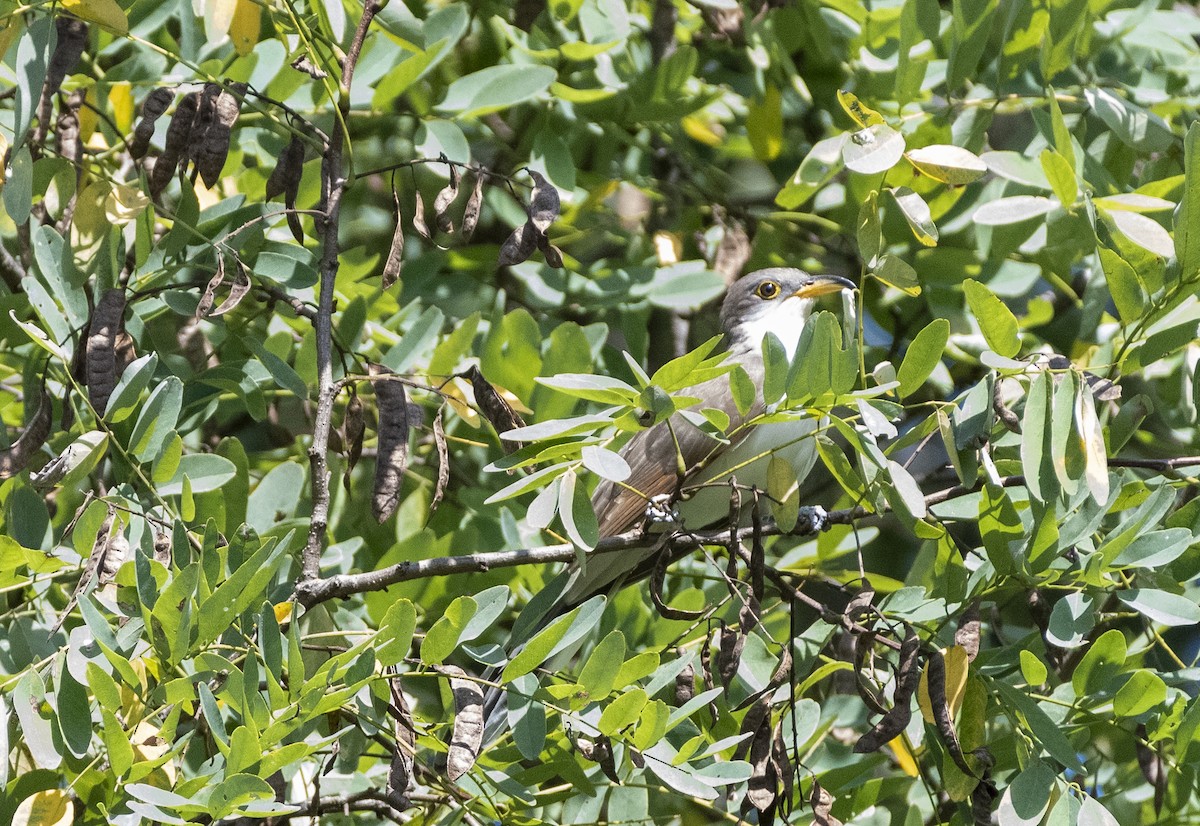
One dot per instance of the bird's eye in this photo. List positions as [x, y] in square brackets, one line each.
[767, 290]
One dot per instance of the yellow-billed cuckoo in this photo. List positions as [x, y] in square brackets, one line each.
[777, 300]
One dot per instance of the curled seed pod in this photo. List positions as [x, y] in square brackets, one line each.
[355, 426]
[17, 456]
[466, 737]
[494, 408]
[982, 799]
[783, 767]
[303, 64]
[219, 108]
[400, 774]
[896, 720]
[395, 258]
[163, 548]
[519, 246]
[685, 684]
[392, 454]
[152, 109]
[474, 205]
[101, 362]
[441, 204]
[968, 631]
[419, 218]
[858, 609]
[544, 204]
[941, 712]
[822, 804]
[286, 174]
[443, 453]
[763, 783]
[237, 290]
[209, 298]
[657, 582]
[175, 144]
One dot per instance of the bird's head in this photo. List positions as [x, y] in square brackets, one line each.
[778, 300]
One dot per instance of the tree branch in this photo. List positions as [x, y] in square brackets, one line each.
[333, 185]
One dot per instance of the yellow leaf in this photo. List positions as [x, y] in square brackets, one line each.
[667, 247]
[124, 203]
[244, 29]
[283, 612]
[150, 746]
[90, 220]
[706, 132]
[88, 119]
[862, 114]
[104, 13]
[904, 757]
[764, 125]
[51, 807]
[956, 681]
[120, 98]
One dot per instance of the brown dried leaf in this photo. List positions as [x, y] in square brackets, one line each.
[285, 177]
[967, 634]
[400, 775]
[685, 684]
[303, 64]
[237, 290]
[175, 144]
[152, 109]
[544, 204]
[443, 201]
[419, 218]
[219, 108]
[105, 324]
[443, 453]
[467, 734]
[392, 453]
[474, 205]
[17, 456]
[519, 246]
[395, 258]
[494, 408]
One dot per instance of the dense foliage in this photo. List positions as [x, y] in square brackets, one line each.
[277, 274]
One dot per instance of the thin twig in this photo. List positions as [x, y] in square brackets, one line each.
[333, 185]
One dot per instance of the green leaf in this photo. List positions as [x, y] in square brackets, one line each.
[946, 163]
[156, 423]
[652, 725]
[916, 213]
[622, 712]
[1155, 549]
[898, 273]
[561, 632]
[496, 87]
[873, 150]
[394, 638]
[1143, 691]
[1161, 606]
[784, 490]
[996, 321]
[526, 716]
[1139, 128]
[442, 638]
[922, 356]
[33, 52]
[1124, 286]
[575, 511]
[1187, 218]
[129, 389]
[603, 389]
[245, 587]
[869, 232]
[206, 471]
[818, 168]
[1032, 669]
[599, 673]
[1036, 453]
[1013, 210]
[1061, 176]
[1044, 730]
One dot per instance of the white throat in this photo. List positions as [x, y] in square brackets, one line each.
[785, 320]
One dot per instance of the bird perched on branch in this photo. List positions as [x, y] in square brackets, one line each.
[777, 300]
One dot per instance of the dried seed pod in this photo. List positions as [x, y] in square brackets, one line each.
[163, 548]
[392, 453]
[219, 108]
[749, 614]
[552, 253]
[441, 204]
[544, 203]
[599, 751]
[941, 712]
[152, 109]
[443, 453]
[685, 684]
[729, 656]
[761, 788]
[519, 246]
[105, 324]
[66, 133]
[755, 717]
[474, 205]
[968, 631]
[395, 258]
[124, 351]
[658, 580]
[303, 64]
[494, 408]
[400, 774]
[896, 720]
[859, 610]
[71, 39]
[982, 799]
[419, 217]
[822, 804]
[17, 456]
[237, 290]
[175, 145]
[209, 298]
[467, 734]
[286, 174]
[783, 767]
[355, 426]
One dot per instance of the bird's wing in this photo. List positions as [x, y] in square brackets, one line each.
[651, 455]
